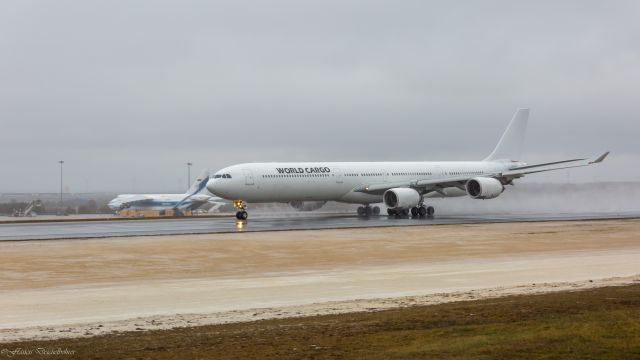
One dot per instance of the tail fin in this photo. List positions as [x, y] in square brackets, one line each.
[200, 183]
[510, 145]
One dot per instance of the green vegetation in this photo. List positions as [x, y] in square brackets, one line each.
[593, 324]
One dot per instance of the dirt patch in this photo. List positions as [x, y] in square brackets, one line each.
[52, 263]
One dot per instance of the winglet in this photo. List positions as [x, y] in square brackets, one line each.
[600, 158]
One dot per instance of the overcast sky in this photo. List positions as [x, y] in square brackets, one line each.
[126, 92]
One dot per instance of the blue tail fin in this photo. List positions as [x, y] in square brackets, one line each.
[199, 184]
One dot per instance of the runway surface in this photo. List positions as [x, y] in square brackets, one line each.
[72, 288]
[97, 229]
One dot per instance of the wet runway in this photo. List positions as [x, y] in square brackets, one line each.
[97, 229]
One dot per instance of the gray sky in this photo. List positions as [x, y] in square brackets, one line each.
[126, 92]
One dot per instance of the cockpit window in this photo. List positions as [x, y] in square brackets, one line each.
[218, 176]
[227, 176]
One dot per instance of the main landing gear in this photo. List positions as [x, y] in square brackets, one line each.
[242, 213]
[416, 212]
[368, 210]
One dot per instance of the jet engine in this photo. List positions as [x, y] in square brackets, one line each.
[401, 198]
[307, 205]
[484, 188]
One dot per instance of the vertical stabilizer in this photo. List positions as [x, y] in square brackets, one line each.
[199, 184]
[511, 143]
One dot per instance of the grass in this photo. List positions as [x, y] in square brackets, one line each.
[600, 323]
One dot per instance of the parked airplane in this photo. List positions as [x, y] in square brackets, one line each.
[191, 200]
[402, 186]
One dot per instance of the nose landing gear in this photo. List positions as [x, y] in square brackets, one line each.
[242, 213]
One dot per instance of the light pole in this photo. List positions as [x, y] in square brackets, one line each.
[61, 210]
[189, 174]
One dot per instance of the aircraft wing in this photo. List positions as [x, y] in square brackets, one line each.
[436, 185]
[556, 165]
[216, 203]
[199, 198]
[134, 200]
[215, 200]
[426, 185]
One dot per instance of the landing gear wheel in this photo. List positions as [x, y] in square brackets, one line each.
[404, 212]
[368, 211]
[414, 212]
[392, 212]
[376, 210]
[242, 213]
[430, 211]
[422, 211]
[361, 211]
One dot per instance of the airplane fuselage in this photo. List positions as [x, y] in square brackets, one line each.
[337, 181]
[155, 202]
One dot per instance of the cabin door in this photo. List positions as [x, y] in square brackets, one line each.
[338, 174]
[248, 177]
[438, 172]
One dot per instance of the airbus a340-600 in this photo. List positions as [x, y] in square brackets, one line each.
[402, 186]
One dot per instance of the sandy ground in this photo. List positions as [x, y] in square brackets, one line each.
[66, 288]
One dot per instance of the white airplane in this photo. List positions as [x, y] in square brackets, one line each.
[191, 200]
[402, 186]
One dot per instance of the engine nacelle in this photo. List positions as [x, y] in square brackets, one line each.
[484, 188]
[401, 198]
[307, 205]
